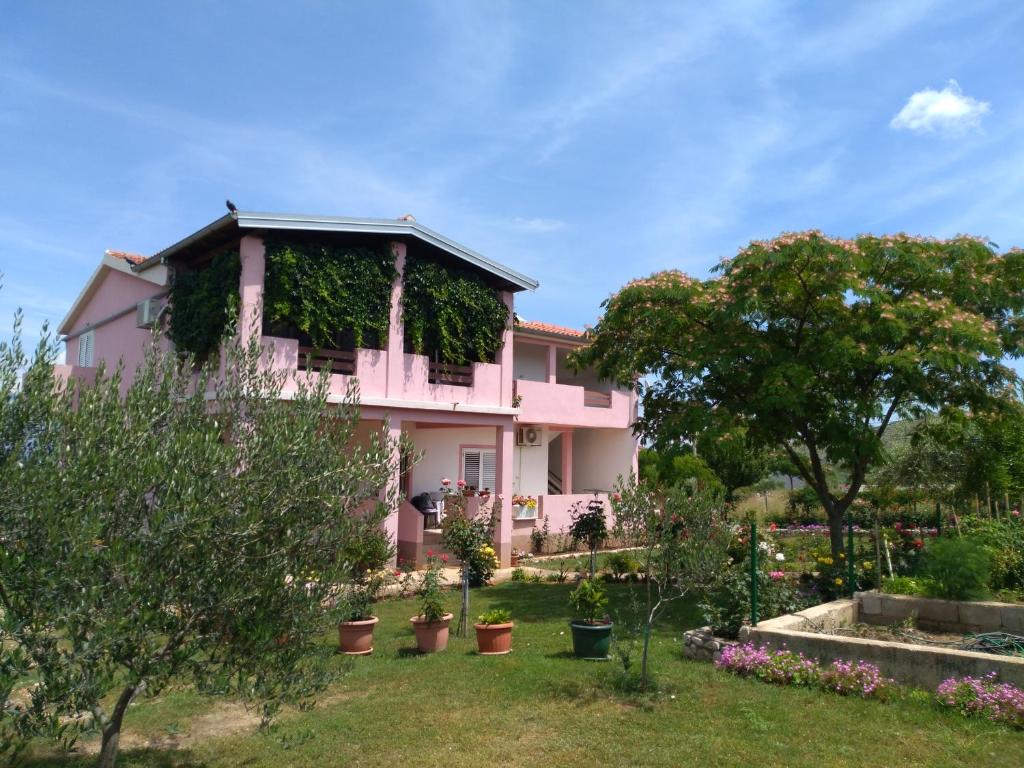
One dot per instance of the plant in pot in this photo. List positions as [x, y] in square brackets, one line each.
[431, 624]
[494, 632]
[363, 558]
[592, 629]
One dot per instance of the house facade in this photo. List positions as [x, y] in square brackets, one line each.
[523, 423]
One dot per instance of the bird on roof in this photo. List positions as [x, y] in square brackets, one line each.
[231, 206]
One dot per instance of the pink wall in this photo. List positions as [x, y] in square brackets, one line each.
[557, 510]
[118, 339]
[562, 404]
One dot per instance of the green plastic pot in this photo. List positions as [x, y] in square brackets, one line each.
[591, 641]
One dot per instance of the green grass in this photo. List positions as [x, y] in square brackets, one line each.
[539, 706]
[573, 562]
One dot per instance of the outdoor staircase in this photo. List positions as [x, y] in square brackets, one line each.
[554, 483]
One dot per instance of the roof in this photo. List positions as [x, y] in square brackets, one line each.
[403, 227]
[549, 329]
[133, 258]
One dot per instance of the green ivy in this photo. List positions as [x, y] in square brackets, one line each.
[329, 292]
[451, 312]
[205, 305]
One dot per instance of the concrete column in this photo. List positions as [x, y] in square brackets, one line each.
[252, 255]
[567, 461]
[505, 354]
[405, 530]
[396, 331]
[552, 367]
[504, 449]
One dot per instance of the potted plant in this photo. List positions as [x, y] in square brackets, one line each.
[524, 507]
[431, 624]
[592, 631]
[363, 558]
[494, 633]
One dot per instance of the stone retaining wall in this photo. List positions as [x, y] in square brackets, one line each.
[920, 665]
[702, 645]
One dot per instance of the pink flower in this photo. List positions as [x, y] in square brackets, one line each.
[445, 482]
[430, 553]
[461, 483]
[777, 575]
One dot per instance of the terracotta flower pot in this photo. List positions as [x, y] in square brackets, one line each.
[494, 639]
[515, 560]
[431, 636]
[356, 637]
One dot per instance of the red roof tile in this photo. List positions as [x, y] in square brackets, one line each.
[555, 330]
[134, 258]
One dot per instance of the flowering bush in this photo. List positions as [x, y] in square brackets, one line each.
[785, 667]
[524, 501]
[998, 702]
[856, 678]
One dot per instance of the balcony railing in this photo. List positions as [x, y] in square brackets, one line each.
[336, 361]
[597, 399]
[455, 375]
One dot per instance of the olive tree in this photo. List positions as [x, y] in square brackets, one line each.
[681, 539]
[813, 345]
[185, 526]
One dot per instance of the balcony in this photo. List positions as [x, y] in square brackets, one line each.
[575, 406]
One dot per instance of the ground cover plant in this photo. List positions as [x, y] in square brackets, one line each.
[397, 707]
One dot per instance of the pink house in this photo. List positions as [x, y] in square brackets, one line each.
[523, 424]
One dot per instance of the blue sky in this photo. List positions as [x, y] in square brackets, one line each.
[581, 143]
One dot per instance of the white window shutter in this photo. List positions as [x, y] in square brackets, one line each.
[85, 349]
[488, 477]
[471, 468]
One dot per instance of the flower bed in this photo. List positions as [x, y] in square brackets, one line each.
[984, 697]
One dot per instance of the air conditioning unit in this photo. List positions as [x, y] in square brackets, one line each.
[147, 312]
[528, 436]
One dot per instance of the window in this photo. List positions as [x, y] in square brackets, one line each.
[86, 343]
[479, 468]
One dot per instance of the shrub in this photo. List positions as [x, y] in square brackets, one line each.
[903, 585]
[1005, 541]
[984, 697]
[727, 606]
[957, 569]
[622, 564]
[856, 678]
[495, 616]
[589, 600]
[431, 592]
[518, 574]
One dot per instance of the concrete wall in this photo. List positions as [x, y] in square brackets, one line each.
[918, 665]
[599, 457]
[878, 608]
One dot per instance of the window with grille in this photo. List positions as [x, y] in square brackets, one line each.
[86, 344]
[479, 468]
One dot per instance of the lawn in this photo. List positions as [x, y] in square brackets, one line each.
[540, 706]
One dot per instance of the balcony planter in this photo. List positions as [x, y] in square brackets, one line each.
[355, 638]
[494, 639]
[591, 641]
[431, 636]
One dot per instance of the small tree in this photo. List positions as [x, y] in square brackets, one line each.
[470, 539]
[589, 526]
[188, 527]
[682, 540]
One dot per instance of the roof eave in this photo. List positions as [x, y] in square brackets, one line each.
[256, 220]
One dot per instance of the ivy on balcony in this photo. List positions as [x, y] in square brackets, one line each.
[451, 314]
[338, 296]
[205, 305]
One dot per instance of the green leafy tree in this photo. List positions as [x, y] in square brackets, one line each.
[736, 460]
[187, 528]
[671, 467]
[815, 344]
[682, 541]
[589, 525]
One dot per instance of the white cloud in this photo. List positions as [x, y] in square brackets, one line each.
[946, 111]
